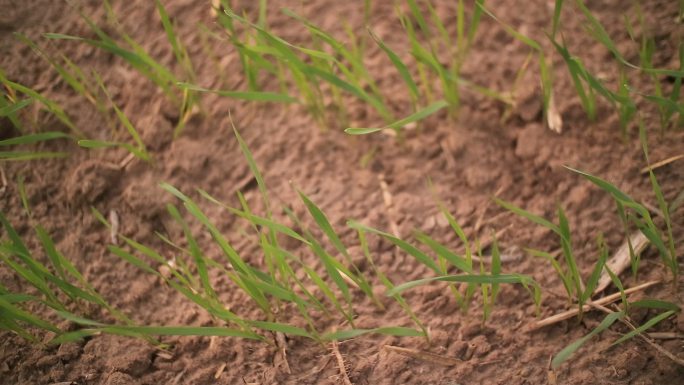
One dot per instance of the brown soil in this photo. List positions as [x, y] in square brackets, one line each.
[469, 159]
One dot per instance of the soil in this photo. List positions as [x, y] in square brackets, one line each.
[485, 151]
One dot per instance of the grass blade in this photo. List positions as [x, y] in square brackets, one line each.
[441, 250]
[418, 115]
[411, 250]
[324, 224]
[244, 95]
[14, 107]
[528, 215]
[569, 350]
[33, 138]
[400, 66]
[480, 279]
[16, 313]
[647, 325]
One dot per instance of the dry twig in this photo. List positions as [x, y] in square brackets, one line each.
[178, 378]
[389, 205]
[164, 355]
[219, 371]
[282, 349]
[553, 117]
[340, 363]
[125, 161]
[661, 163]
[114, 229]
[621, 259]
[573, 312]
[3, 181]
[666, 336]
[550, 373]
[627, 321]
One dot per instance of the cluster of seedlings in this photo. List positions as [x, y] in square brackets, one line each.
[329, 69]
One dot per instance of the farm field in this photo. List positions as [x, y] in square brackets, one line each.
[324, 192]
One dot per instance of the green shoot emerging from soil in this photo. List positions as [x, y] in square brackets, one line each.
[631, 213]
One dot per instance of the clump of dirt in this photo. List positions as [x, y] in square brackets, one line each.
[469, 159]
